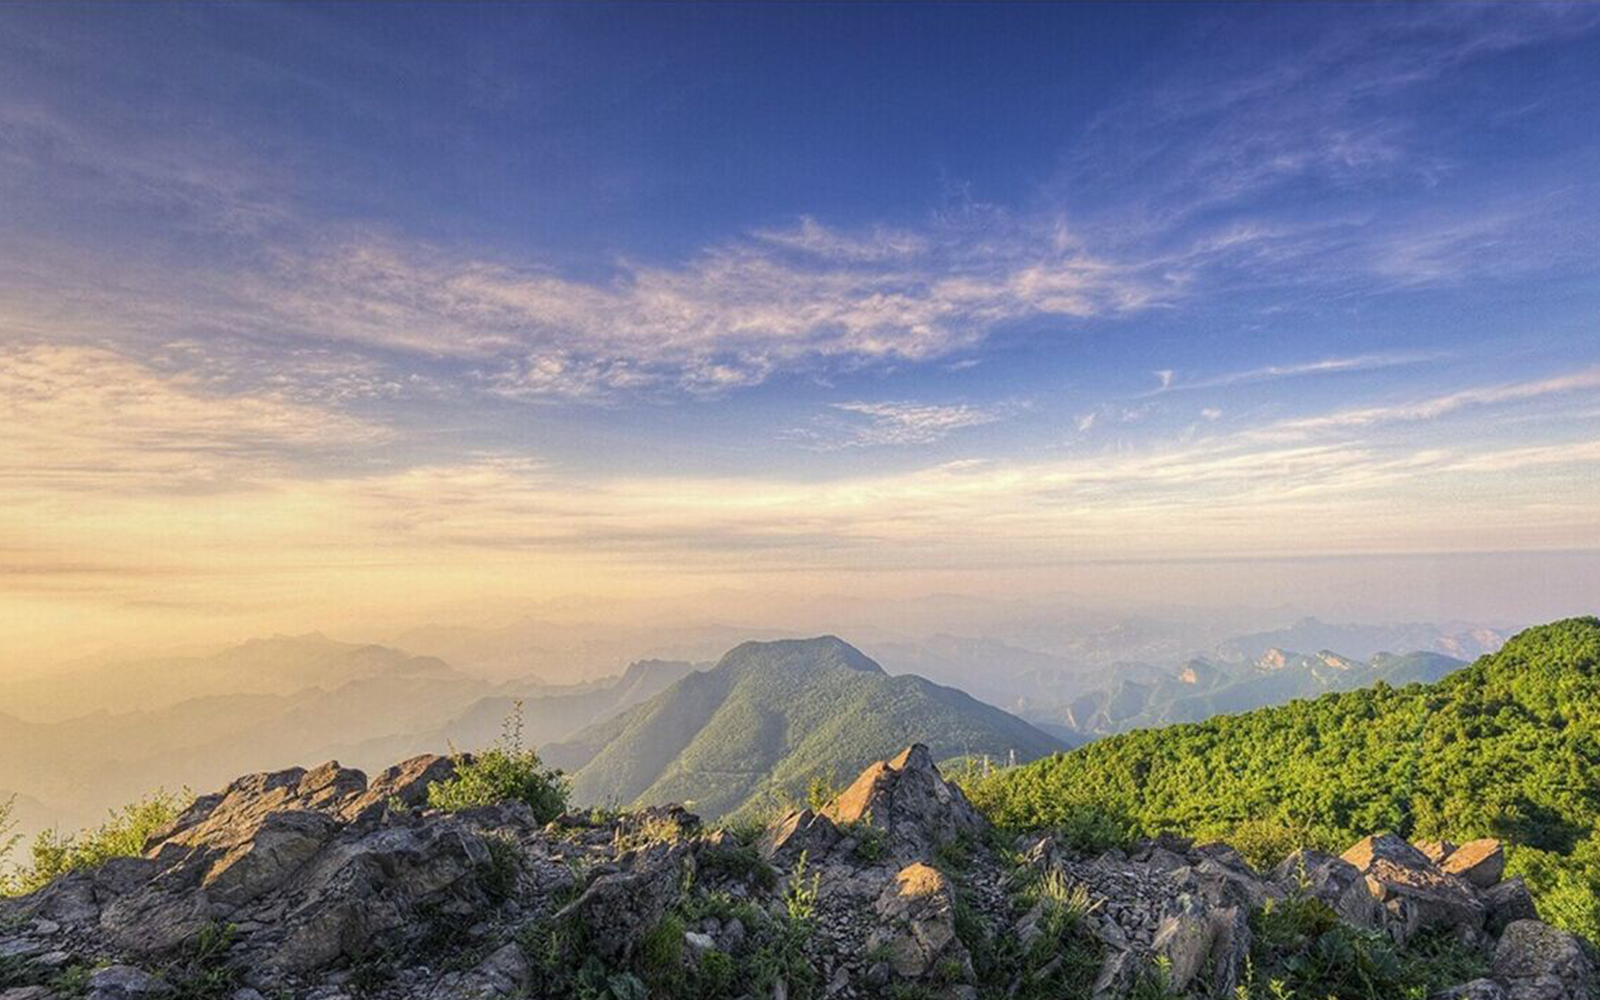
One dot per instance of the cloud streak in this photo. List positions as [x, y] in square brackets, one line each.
[79, 419]
[729, 318]
[1267, 373]
[893, 423]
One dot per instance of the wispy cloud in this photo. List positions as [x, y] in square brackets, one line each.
[1587, 379]
[80, 418]
[893, 423]
[1325, 366]
[728, 318]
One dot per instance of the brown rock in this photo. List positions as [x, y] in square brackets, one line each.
[406, 782]
[1385, 847]
[800, 832]
[1413, 893]
[1481, 862]
[274, 850]
[1333, 880]
[1435, 850]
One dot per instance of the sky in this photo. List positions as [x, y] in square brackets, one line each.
[320, 314]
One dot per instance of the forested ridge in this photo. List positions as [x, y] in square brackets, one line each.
[1507, 747]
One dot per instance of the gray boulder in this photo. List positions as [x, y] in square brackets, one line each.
[124, 982]
[505, 973]
[405, 783]
[1333, 880]
[1539, 962]
[800, 832]
[1507, 902]
[619, 909]
[916, 917]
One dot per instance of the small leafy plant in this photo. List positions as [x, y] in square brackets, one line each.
[509, 771]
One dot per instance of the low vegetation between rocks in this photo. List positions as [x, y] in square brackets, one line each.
[447, 880]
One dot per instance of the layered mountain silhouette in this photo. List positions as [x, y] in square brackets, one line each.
[1204, 688]
[196, 720]
[772, 715]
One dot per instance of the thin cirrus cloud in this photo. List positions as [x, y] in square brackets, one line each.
[872, 424]
[730, 317]
[1432, 407]
[87, 418]
[1266, 373]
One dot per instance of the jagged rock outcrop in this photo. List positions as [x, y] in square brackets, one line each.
[1414, 893]
[911, 803]
[1333, 880]
[801, 832]
[1508, 902]
[318, 884]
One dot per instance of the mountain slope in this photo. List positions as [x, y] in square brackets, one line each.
[1507, 747]
[774, 714]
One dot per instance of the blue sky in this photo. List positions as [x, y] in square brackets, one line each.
[565, 295]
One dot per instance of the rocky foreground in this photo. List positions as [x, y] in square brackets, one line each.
[320, 884]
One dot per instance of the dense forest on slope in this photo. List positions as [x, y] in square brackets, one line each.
[1508, 747]
[770, 717]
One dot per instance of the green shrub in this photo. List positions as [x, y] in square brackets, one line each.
[821, 790]
[871, 844]
[741, 862]
[506, 772]
[499, 876]
[1567, 887]
[201, 971]
[800, 895]
[123, 835]
[1504, 748]
[715, 976]
[8, 842]
[1062, 960]
[660, 957]
[1266, 842]
[1300, 948]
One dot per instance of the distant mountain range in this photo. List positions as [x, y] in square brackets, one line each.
[668, 726]
[772, 715]
[107, 734]
[536, 647]
[1203, 688]
[1460, 640]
